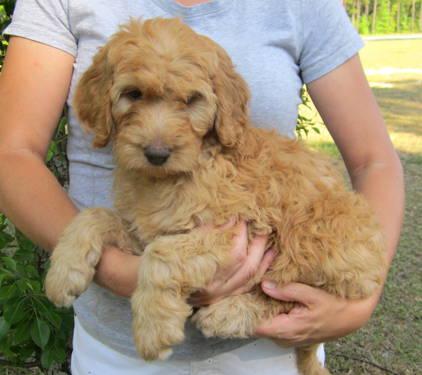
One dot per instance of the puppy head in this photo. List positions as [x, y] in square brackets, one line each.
[160, 90]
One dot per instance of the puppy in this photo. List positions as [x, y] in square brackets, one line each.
[186, 155]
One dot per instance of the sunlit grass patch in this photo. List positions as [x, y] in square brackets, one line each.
[398, 54]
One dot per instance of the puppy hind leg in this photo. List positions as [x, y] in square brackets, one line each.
[172, 268]
[236, 316]
[78, 251]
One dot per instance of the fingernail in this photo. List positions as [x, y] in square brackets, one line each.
[268, 284]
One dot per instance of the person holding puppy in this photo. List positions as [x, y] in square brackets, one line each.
[286, 45]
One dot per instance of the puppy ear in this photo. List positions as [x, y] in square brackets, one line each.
[92, 101]
[232, 100]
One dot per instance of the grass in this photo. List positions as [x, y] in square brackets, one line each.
[391, 342]
[398, 54]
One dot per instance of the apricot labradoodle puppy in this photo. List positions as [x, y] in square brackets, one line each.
[186, 155]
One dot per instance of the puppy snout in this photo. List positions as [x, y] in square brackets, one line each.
[157, 155]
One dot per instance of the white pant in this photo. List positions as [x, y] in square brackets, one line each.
[263, 357]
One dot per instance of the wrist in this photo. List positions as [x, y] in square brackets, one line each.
[359, 312]
[117, 271]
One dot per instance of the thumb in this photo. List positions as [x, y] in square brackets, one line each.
[293, 292]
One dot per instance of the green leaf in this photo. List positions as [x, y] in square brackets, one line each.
[31, 271]
[47, 358]
[63, 123]
[9, 263]
[25, 256]
[52, 150]
[52, 355]
[5, 239]
[35, 285]
[22, 333]
[4, 327]
[26, 353]
[40, 333]
[8, 353]
[24, 243]
[7, 292]
[15, 311]
[22, 285]
[48, 310]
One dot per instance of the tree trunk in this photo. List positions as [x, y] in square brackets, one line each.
[398, 16]
[358, 7]
[420, 16]
[367, 9]
[374, 15]
[413, 15]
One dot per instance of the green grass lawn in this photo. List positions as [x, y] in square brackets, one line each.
[391, 342]
[399, 54]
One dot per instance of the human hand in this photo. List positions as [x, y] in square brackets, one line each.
[249, 263]
[118, 271]
[316, 317]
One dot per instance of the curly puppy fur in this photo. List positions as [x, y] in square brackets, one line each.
[186, 155]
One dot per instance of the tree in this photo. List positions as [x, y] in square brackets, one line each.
[383, 19]
[412, 24]
[420, 16]
[374, 15]
[398, 15]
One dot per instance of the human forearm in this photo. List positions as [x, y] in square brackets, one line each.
[32, 198]
[381, 183]
[353, 118]
[34, 201]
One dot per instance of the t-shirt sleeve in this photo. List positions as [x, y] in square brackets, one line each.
[328, 38]
[44, 21]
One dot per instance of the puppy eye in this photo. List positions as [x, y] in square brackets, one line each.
[133, 94]
[193, 98]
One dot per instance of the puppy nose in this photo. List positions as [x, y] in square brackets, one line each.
[157, 155]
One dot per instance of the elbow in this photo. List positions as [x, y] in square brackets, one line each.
[386, 167]
[387, 161]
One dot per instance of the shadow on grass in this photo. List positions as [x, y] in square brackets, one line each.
[401, 106]
[329, 148]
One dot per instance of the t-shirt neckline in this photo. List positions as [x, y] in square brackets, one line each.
[178, 10]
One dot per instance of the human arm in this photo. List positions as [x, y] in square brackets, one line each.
[249, 261]
[352, 116]
[33, 88]
[34, 84]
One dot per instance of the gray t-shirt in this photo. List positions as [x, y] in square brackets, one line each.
[277, 45]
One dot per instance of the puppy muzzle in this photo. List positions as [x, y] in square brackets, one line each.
[157, 155]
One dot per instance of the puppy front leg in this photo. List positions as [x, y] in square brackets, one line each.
[78, 251]
[172, 268]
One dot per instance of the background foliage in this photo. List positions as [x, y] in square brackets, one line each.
[385, 16]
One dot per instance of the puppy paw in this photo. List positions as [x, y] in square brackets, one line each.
[154, 338]
[152, 346]
[68, 278]
[229, 318]
[158, 323]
